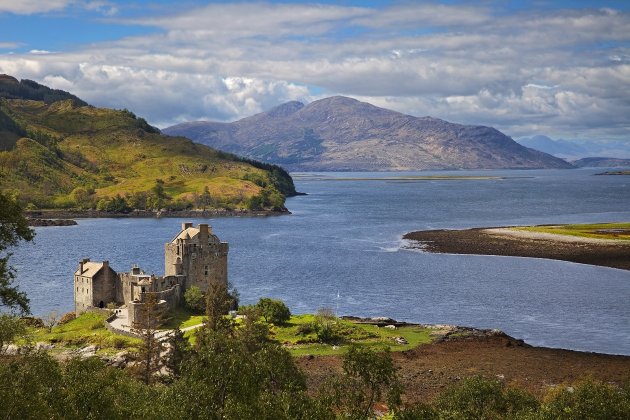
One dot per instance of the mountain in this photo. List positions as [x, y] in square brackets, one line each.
[340, 133]
[602, 162]
[66, 154]
[576, 149]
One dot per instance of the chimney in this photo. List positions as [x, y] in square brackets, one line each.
[203, 233]
[82, 262]
[135, 269]
[106, 264]
[186, 225]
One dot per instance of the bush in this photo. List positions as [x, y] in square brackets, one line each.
[195, 299]
[478, 398]
[274, 311]
[67, 317]
[588, 400]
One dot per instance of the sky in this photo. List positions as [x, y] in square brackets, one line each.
[559, 68]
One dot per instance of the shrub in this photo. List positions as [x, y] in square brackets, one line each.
[195, 299]
[67, 317]
[274, 311]
[588, 400]
[477, 397]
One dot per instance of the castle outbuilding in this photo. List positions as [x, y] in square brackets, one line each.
[195, 257]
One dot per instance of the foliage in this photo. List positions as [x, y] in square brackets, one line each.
[148, 358]
[67, 317]
[274, 311]
[218, 304]
[587, 400]
[28, 89]
[10, 327]
[368, 377]
[13, 228]
[195, 299]
[87, 328]
[480, 398]
[82, 157]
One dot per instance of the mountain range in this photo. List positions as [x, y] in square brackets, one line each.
[341, 133]
[56, 151]
[574, 149]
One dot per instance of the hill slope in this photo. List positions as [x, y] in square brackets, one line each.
[67, 155]
[602, 162]
[340, 133]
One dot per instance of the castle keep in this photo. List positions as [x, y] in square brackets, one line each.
[195, 257]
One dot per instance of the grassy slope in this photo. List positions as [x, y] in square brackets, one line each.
[599, 231]
[89, 328]
[114, 153]
[300, 344]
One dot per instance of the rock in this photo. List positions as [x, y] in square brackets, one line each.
[11, 350]
[391, 327]
[88, 351]
[400, 340]
[41, 346]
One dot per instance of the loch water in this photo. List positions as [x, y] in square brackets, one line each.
[341, 248]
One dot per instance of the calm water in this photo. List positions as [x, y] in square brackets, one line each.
[345, 237]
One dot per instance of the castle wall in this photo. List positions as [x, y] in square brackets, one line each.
[104, 287]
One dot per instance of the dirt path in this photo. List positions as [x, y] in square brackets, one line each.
[429, 369]
[503, 241]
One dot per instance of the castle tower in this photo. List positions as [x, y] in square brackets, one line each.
[198, 255]
[94, 285]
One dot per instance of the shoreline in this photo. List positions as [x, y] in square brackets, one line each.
[49, 214]
[503, 241]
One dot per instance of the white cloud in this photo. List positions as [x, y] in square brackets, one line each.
[28, 7]
[557, 71]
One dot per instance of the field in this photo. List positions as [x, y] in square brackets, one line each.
[619, 231]
[297, 338]
[87, 329]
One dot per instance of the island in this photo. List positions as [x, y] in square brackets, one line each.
[604, 244]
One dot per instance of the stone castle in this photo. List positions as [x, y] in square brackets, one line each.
[195, 257]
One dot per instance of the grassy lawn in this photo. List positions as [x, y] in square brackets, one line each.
[619, 231]
[361, 334]
[182, 318]
[88, 328]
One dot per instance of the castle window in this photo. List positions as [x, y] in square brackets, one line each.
[206, 270]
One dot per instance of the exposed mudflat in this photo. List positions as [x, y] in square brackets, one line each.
[428, 369]
[507, 242]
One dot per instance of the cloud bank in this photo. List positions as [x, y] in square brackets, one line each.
[565, 73]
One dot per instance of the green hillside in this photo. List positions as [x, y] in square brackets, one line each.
[65, 154]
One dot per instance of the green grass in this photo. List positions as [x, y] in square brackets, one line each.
[88, 328]
[598, 231]
[109, 152]
[360, 334]
[182, 318]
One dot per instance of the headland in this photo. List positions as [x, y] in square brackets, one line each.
[603, 244]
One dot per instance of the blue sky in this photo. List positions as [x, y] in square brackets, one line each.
[560, 68]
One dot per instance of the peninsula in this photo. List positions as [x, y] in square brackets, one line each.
[605, 245]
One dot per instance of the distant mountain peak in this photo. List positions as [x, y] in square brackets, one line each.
[342, 133]
[5, 78]
[285, 109]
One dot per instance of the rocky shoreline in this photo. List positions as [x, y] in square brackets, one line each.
[495, 241]
[51, 214]
[50, 222]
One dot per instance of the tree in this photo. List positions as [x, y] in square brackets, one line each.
[10, 327]
[194, 299]
[218, 304]
[13, 228]
[274, 311]
[51, 320]
[148, 358]
[368, 377]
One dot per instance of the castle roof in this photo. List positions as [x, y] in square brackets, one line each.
[187, 233]
[90, 269]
